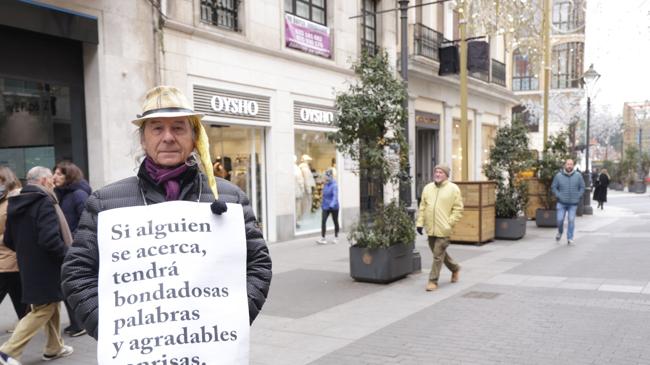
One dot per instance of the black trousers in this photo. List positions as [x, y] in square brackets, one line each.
[335, 218]
[10, 284]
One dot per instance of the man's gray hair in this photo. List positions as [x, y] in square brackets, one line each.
[35, 174]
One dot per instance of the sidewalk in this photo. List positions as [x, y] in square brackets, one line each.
[315, 308]
[316, 312]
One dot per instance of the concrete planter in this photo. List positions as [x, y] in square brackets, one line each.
[637, 187]
[381, 265]
[616, 186]
[546, 218]
[510, 228]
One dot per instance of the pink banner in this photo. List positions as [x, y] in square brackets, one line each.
[307, 36]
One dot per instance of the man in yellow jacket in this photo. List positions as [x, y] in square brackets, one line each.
[441, 207]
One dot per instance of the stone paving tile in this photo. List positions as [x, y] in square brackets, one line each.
[521, 326]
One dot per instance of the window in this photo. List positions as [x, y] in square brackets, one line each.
[488, 136]
[522, 115]
[568, 16]
[369, 27]
[567, 65]
[314, 10]
[523, 78]
[222, 13]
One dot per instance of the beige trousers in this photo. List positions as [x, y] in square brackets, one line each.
[41, 316]
[438, 246]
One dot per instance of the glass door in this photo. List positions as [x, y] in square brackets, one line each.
[237, 154]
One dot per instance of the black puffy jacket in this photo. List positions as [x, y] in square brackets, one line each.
[81, 265]
[33, 231]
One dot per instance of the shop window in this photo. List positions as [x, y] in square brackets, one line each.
[488, 135]
[567, 65]
[35, 124]
[314, 155]
[237, 154]
[221, 13]
[313, 10]
[369, 27]
[523, 77]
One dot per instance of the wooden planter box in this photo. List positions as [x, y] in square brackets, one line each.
[536, 192]
[477, 224]
[381, 265]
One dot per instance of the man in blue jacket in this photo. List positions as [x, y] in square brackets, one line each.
[568, 187]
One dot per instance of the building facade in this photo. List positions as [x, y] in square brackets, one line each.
[636, 126]
[265, 74]
[567, 67]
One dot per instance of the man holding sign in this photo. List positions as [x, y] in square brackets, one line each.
[168, 276]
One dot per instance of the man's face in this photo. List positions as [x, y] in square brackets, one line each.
[439, 176]
[47, 182]
[568, 165]
[168, 141]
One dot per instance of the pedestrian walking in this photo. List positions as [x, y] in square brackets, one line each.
[175, 144]
[9, 275]
[594, 177]
[330, 206]
[38, 232]
[441, 207]
[72, 190]
[600, 193]
[568, 187]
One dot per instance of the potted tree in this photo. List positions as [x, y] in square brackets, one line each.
[371, 122]
[510, 158]
[556, 152]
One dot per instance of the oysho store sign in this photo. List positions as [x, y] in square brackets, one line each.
[232, 104]
[312, 114]
[224, 104]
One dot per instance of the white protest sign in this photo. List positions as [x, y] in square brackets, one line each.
[172, 285]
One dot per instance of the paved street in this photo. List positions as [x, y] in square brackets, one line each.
[518, 302]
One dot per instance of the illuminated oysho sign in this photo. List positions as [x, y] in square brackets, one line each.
[231, 104]
[305, 113]
[234, 105]
[316, 116]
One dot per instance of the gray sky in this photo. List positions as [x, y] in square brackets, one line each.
[618, 44]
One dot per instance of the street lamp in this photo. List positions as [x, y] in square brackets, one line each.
[589, 78]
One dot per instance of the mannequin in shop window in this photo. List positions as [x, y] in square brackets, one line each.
[333, 168]
[330, 205]
[309, 183]
[299, 183]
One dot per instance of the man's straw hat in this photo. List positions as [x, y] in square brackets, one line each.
[168, 102]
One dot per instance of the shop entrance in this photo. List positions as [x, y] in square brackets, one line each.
[42, 117]
[426, 158]
[314, 155]
[237, 154]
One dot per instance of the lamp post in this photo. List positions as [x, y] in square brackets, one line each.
[589, 78]
[405, 186]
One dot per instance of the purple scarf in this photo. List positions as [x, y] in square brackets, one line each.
[168, 177]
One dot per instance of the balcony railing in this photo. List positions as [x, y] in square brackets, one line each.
[498, 73]
[524, 83]
[426, 41]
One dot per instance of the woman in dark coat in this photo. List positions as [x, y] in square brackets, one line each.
[172, 137]
[600, 193]
[72, 191]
